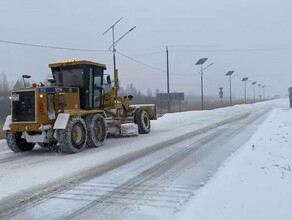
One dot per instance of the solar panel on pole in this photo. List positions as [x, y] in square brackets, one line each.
[201, 62]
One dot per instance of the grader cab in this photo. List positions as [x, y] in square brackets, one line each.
[79, 108]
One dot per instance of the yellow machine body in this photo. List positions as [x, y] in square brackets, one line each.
[76, 100]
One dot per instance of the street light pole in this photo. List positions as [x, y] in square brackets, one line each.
[230, 96]
[202, 90]
[167, 63]
[253, 83]
[245, 81]
[115, 42]
[260, 97]
[246, 91]
[114, 48]
[263, 91]
[112, 28]
[201, 62]
[229, 73]
[25, 77]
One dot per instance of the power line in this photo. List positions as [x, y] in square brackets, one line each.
[144, 64]
[51, 47]
[232, 50]
[152, 67]
[137, 61]
[151, 53]
[174, 46]
[274, 75]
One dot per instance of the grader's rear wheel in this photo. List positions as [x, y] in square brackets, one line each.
[141, 118]
[73, 138]
[96, 130]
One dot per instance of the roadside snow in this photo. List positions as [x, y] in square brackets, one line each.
[255, 183]
[3, 145]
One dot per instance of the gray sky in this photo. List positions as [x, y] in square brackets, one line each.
[252, 37]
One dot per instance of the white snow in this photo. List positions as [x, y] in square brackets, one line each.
[142, 105]
[255, 182]
[3, 148]
[40, 166]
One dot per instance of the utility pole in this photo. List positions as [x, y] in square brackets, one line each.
[263, 92]
[167, 66]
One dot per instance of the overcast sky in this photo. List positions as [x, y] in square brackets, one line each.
[252, 37]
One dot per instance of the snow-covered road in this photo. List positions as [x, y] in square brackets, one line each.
[149, 176]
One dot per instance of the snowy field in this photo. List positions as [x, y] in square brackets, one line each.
[255, 183]
[254, 179]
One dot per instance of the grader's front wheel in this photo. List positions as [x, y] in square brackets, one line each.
[73, 138]
[16, 143]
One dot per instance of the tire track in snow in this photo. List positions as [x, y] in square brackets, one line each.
[112, 204]
[30, 197]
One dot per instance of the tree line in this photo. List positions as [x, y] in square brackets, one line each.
[5, 89]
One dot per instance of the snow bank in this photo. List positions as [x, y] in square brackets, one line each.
[212, 115]
[255, 183]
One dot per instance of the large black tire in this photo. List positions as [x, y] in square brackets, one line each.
[141, 118]
[16, 143]
[96, 129]
[73, 139]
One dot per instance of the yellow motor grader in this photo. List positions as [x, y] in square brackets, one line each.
[79, 108]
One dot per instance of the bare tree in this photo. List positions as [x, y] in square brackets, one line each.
[4, 84]
[149, 92]
[18, 84]
[4, 97]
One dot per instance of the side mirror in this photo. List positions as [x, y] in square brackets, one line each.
[108, 79]
[25, 77]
